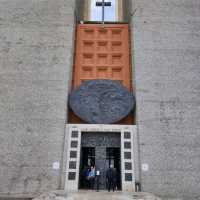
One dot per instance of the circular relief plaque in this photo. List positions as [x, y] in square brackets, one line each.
[101, 101]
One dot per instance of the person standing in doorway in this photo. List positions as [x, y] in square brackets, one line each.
[86, 173]
[92, 177]
[97, 179]
[111, 178]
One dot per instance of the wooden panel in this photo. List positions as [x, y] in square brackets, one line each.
[102, 53]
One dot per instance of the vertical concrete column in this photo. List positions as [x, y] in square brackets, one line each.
[127, 159]
[73, 159]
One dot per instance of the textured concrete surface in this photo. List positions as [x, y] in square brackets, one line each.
[50, 196]
[166, 53]
[36, 39]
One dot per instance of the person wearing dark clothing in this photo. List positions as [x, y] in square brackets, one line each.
[86, 177]
[92, 177]
[97, 180]
[111, 178]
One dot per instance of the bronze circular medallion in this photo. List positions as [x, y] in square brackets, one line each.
[101, 101]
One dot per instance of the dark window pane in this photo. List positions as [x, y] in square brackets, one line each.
[74, 144]
[72, 165]
[73, 154]
[128, 177]
[127, 135]
[71, 175]
[127, 145]
[128, 165]
[127, 155]
[74, 134]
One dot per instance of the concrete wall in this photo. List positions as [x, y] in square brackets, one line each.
[36, 40]
[166, 35]
[36, 45]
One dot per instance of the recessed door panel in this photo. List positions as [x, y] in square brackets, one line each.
[102, 52]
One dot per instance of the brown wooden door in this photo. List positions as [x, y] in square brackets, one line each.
[102, 53]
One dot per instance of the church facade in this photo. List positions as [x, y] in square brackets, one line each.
[144, 57]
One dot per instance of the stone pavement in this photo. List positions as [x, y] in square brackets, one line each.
[93, 195]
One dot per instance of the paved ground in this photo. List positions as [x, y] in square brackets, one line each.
[102, 195]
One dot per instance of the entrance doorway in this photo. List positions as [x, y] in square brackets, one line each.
[100, 143]
[100, 149]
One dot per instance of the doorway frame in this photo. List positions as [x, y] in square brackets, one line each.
[128, 144]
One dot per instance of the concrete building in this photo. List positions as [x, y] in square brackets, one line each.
[37, 39]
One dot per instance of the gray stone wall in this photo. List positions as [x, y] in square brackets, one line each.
[36, 45]
[36, 40]
[166, 54]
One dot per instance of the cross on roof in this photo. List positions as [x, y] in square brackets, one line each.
[103, 4]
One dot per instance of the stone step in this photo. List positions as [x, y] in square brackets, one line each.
[93, 195]
[104, 195]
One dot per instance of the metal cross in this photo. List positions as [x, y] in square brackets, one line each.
[103, 4]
